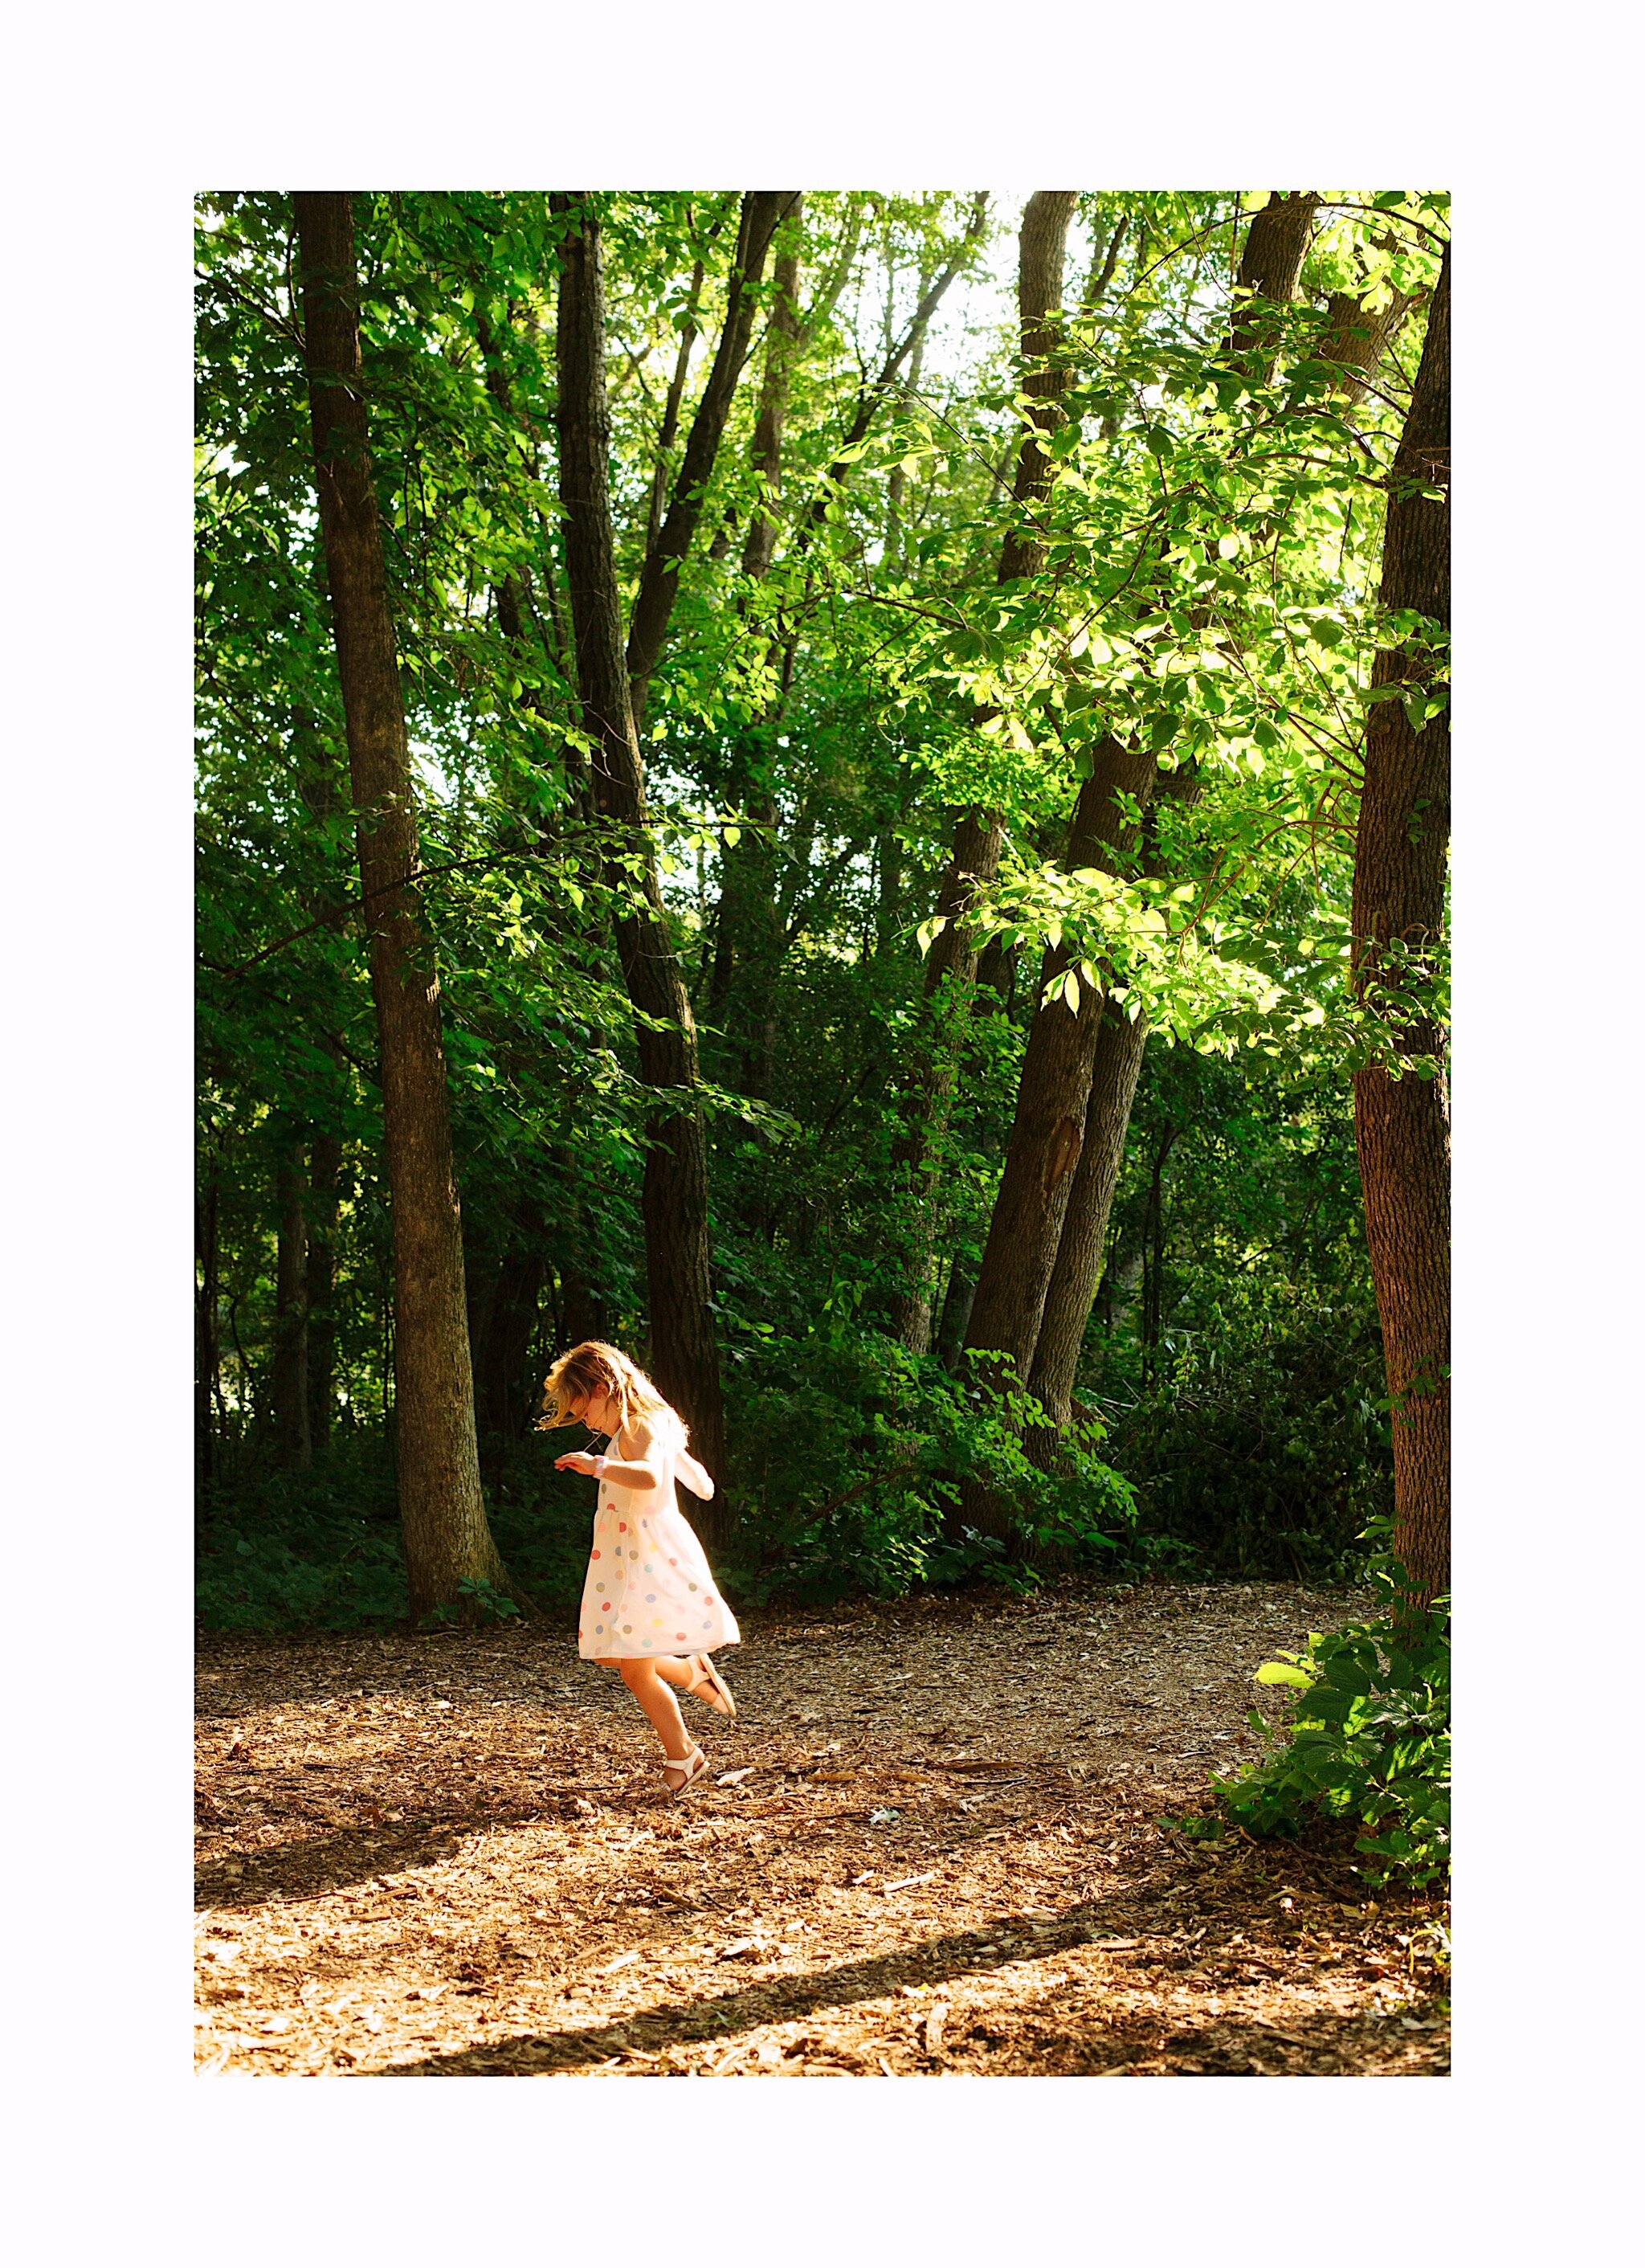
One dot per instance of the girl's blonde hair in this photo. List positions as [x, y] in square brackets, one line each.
[593, 1367]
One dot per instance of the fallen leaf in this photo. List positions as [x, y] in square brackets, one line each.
[730, 1779]
[623, 1961]
[737, 1946]
[909, 1881]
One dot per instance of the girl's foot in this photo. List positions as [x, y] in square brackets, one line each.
[708, 1685]
[679, 1772]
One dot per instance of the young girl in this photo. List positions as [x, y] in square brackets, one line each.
[649, 1589]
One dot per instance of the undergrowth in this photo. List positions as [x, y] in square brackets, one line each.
[1369, 1742]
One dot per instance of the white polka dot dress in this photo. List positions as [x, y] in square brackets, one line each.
[649, 1589]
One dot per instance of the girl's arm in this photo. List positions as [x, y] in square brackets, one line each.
[636, 1470]
[695, 1476]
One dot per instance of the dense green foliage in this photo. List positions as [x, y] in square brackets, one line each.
[1369, 1742]
[811, 733]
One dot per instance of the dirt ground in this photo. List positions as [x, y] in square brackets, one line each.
[935, 1841]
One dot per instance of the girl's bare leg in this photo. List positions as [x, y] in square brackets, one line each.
[659, 1705]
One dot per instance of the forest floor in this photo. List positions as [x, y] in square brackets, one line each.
[935, 1841]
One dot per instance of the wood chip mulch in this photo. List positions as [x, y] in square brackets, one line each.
[934, 1842]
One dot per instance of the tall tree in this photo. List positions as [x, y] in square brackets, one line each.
[1053, 1087]
[748, 926]
[952, 964]
[659, 578]
[442, 1513]
[1401, 1119]
[1270, 271]
[1270, 268]
[684, 1356]
[750, 930]
[1116, 1063]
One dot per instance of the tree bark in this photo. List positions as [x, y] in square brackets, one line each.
[1042, 246]
[1402, 1124]
[1356, 342]
[290, 1357]
[1115, 1066]
[749, 940]
[950, 1329]
[952, 964]
[683, 1357]
[785, 336]
[503, 1335]
[1048, 1132]
[1270, 266]
[442, 1513]
[1117, 1062]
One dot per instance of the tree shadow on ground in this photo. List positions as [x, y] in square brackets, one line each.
[293, 1873]
[1074, 2045]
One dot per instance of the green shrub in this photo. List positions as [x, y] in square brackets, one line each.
[1369, 1742]
[1261, 1448]
[849, 1456]
[321, 1549]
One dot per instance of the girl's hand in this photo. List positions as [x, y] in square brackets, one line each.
[575, 1461]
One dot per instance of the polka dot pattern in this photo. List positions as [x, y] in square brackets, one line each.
[646, 1572]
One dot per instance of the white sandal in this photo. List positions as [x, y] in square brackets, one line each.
[718, 1694]
[692, 1766]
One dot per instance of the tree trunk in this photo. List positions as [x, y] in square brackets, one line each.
[325, 1164]
[290, 1360]
[956, 1316]
[684, 1359]
[785, 336]
[503, 1333]
[669, 432]
[1047, 1133]
[659, 578]
[1402, 1124]
[1117, 1062]
[1270, 266]
[1042, 244]
[749, 940]
[952, 964]
[442, 1513]
[1356, 342]
[505, 1391]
